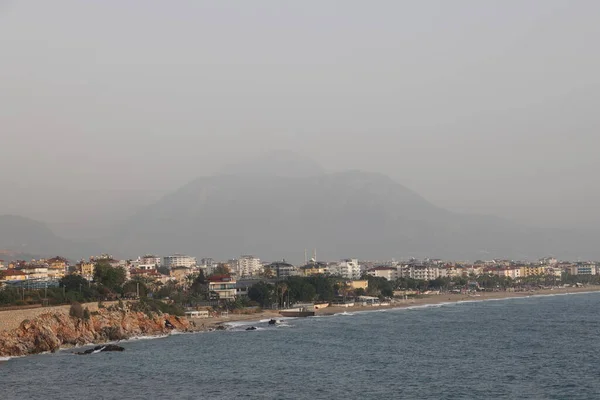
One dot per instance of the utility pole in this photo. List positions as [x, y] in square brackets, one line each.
[138, 289]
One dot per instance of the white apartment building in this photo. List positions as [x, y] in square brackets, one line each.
[179, 260]
[248, 266]
[348, 269]
[150, 260]
[583, 269]
[419, 272]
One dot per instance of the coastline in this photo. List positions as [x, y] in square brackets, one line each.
[426, 300]
[196, 325]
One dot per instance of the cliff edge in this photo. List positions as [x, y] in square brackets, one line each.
[51, 331]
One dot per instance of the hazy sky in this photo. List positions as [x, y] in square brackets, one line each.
[480, 106]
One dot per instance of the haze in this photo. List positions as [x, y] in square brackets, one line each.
[481, 107]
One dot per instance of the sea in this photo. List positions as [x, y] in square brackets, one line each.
[537, 347]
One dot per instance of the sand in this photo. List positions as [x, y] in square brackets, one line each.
[212, 323]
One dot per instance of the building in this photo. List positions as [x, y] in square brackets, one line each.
[389, 273]
[281, 269]
[10, 275]
[224, 286]
[583, 269]
[314, 268]
[248, 266]
[86, 270]
[419, 272]
[150, 260]
[180, 274]
[348, 269]
[354, 285]
[36, 271]
[532, 270]
[179, 260]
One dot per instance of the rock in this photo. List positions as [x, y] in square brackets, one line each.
[51, 331]
[99, 349]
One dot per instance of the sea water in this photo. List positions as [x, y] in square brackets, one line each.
[536, 348]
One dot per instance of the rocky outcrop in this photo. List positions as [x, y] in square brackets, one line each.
[49, 332]
[100, 349]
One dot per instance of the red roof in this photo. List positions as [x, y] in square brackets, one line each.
[13, 272]
[219, 278]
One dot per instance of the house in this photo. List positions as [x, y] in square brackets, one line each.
[180, 273]
[248, 266]
[150, 274]
[348, 268]
[224, 286]
[86, 270]
[389, 273]
[353, 285]
[57, 267]
[583, 269]
[35, 271]
[12, 275]
[314, 268]
[281, 269]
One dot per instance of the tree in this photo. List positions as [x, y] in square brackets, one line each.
[164, 270]
[200, 285]
[263, 293]
[300, 289]
[281, 289]
[222, 269]
[132, 286]
[323, 287]
[73, 282]
[109, 276]
[380, 287]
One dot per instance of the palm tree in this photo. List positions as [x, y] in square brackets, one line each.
[283, 288]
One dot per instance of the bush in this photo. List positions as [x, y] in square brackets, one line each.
[149, 306]
[86, 314]
[76, 311]
[101, 304]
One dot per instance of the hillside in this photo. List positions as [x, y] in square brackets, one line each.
[348, 214]
[25, 238]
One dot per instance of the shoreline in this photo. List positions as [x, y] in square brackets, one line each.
[427, 300]
[205, 325]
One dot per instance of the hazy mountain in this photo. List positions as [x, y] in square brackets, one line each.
[26, 237]
[275, 214]
[276, 163]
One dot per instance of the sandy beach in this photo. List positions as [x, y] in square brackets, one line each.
[212, 323]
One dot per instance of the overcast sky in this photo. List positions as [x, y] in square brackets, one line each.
[480, 106]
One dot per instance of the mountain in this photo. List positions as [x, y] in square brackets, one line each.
[22, 237]
[348, 214]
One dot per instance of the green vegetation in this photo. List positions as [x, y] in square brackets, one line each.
[76, 311]
[150, 306]
[108, 276]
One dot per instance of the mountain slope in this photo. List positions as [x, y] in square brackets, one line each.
[349, 214]
[26, 236]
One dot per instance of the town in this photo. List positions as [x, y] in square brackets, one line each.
[184, 281]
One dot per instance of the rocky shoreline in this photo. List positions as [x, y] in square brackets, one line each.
[52, 331]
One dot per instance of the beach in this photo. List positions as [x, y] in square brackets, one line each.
[431, 299]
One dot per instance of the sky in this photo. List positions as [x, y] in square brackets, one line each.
[481, 107]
